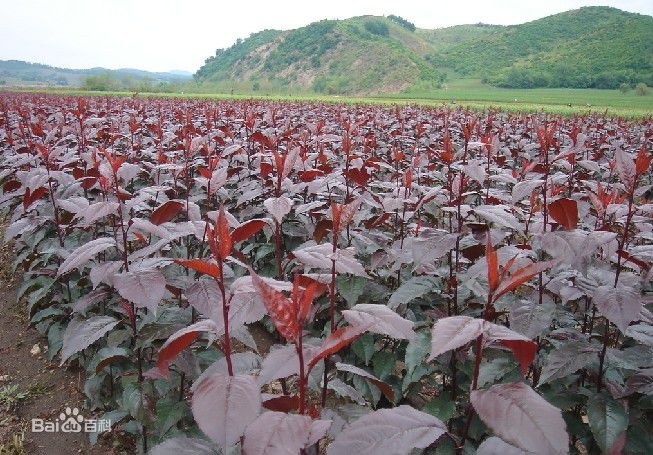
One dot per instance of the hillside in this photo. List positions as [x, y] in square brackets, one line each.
[597, 47]
[17, 72]
[359, 55]
[440, 39]
[590, 47]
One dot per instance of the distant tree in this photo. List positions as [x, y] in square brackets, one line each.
[99, 82]
[377, 27]
[403, 22]
[256, 86]
[641, 89]
[623, 88]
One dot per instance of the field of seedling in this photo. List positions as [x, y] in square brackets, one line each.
[263, 277]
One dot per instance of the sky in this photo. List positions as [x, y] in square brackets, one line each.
[162, 35]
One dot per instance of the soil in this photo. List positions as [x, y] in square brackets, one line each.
[33, 387]
[44, 389]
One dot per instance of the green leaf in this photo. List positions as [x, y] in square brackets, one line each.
[55, 338]
[607, 419]
[132, 400]
[417, 350]
[363, 347]
[168, 413]
[111, 416]
[415, 287]
[383, 363]
[351, 288]
[442, 407]
[493, 370]
[639, 440]
[367, 389]
[105, 356]
[417, 374]
[47, 313]
[38, 295]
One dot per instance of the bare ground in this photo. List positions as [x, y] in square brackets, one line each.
[30, 385]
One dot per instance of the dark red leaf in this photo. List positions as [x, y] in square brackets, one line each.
[321, 229]
[11, 185]
[166, 212]
[284, 403]
[565, 212]
[30, 197]
[246, 230]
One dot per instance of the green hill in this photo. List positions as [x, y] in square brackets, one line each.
[597, 47]
[359, 55]
[20, 73]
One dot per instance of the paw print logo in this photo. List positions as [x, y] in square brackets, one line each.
[72, 421]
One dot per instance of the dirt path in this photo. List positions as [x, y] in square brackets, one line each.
[30, 385]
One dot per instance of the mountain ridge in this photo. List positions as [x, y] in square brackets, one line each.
[27, 73]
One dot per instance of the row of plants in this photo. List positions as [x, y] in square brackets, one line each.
[280, 278]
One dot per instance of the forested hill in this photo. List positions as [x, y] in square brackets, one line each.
[590, 47]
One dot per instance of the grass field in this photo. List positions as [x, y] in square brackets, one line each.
[468, 93]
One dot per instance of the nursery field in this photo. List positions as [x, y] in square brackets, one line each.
[297, 277]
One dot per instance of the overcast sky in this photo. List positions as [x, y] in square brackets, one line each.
[161, 35]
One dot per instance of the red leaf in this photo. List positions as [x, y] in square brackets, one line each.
[201, 266]
[522, 275]
[492, 265]
[524, 351]
[565, 212]
[377, 220]
[205, 172]
[279, 307]
[180, 340]
[11, 185]
[128, 309]
[166, 212]
[310, 175]
[305, 281]
[175, 344]
[302, 297]
[634, 260]
[643, 161]
[343, 214]
[266, 170]
[123, 195]
[262, 139]
[222, 230]
[321, 229]
[219, 238]
[246, 230]
[358, 176]
[30, 197]
[336, 341]
[284, 403]
[506, 268]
